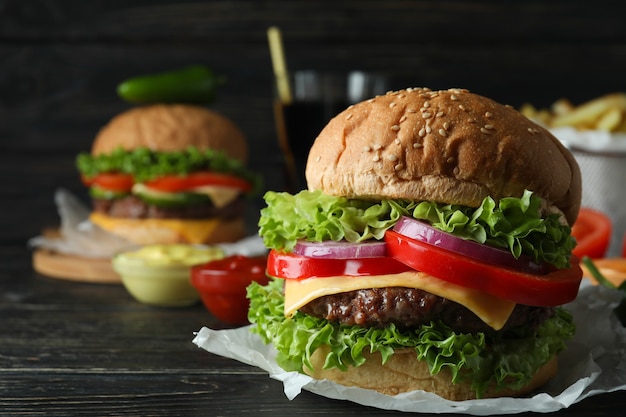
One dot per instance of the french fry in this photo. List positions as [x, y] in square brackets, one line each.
[562, 106]
[540, 116]
[591, 111]
[606, 113]
[610, 120]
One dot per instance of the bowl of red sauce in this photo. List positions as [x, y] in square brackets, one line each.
[222, 285]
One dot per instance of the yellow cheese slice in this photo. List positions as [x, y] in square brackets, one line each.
[492, 310]
[220, 196]
[194, 231]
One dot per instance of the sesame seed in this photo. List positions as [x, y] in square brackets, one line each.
[462, 107]
[453, 97]
[348, 117]
[410, 110]
[489, 127]
[402, 119]
[318, 158]
[488, 114]
[439, 114]
[456, 171]
[397, 141]
[427, 104]
[482, 129]
[367, 148]
[433, 95]
[450, 159]
[417, 145]
[401, 95]
[443, 132]
[377, 147]
[398, 167]
[428, 129]
[446, 125]
[422, 132]
[376, 158]
[427, 115]
[395, 128]
[371, 100]
[392, 158]
[392, 104]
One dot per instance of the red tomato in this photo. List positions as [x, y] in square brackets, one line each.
[177, 183]
[111, 181]
[222, 285]
[624, 247]
[552, 289]
[292, 266]
[592, 231]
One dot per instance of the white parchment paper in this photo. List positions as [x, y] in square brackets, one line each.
[593, 363]
[78, 235]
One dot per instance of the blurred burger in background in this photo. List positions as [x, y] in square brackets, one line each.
[169, 173]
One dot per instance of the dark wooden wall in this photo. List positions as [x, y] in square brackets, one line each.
[60, 62]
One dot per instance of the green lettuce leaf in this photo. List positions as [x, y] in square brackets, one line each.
[314, 216]
[504, 360]
[145, 164]
[512, 223]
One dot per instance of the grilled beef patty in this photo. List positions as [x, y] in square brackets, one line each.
[135, 208]
[409, 308]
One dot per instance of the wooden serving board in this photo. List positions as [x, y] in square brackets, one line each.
[74, 268]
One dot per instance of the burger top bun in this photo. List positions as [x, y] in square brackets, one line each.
[171, 127]
[447, 146]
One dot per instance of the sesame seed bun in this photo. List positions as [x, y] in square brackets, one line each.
[171, 127]
[447, 146]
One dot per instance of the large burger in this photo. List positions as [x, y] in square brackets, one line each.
[169, 173]
[431, 251]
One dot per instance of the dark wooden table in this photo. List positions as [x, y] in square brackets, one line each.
[77, 349]
[81, 349]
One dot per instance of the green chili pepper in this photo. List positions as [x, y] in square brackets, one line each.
[195, 84]
[620, 310]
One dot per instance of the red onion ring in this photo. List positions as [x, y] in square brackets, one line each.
[423, 232]
[340, 250]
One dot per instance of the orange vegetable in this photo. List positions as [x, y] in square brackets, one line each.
[613, 269]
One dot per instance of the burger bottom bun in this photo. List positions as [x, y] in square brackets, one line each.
[164, 231]
[403, 373]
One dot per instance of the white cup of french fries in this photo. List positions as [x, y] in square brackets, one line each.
[595, 133]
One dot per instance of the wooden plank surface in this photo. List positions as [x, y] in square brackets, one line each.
[85, 349]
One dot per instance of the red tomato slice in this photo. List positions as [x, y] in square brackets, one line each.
[292, 266]
[592, 231]
[177, 183]
[552, 289]
[111, 181]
